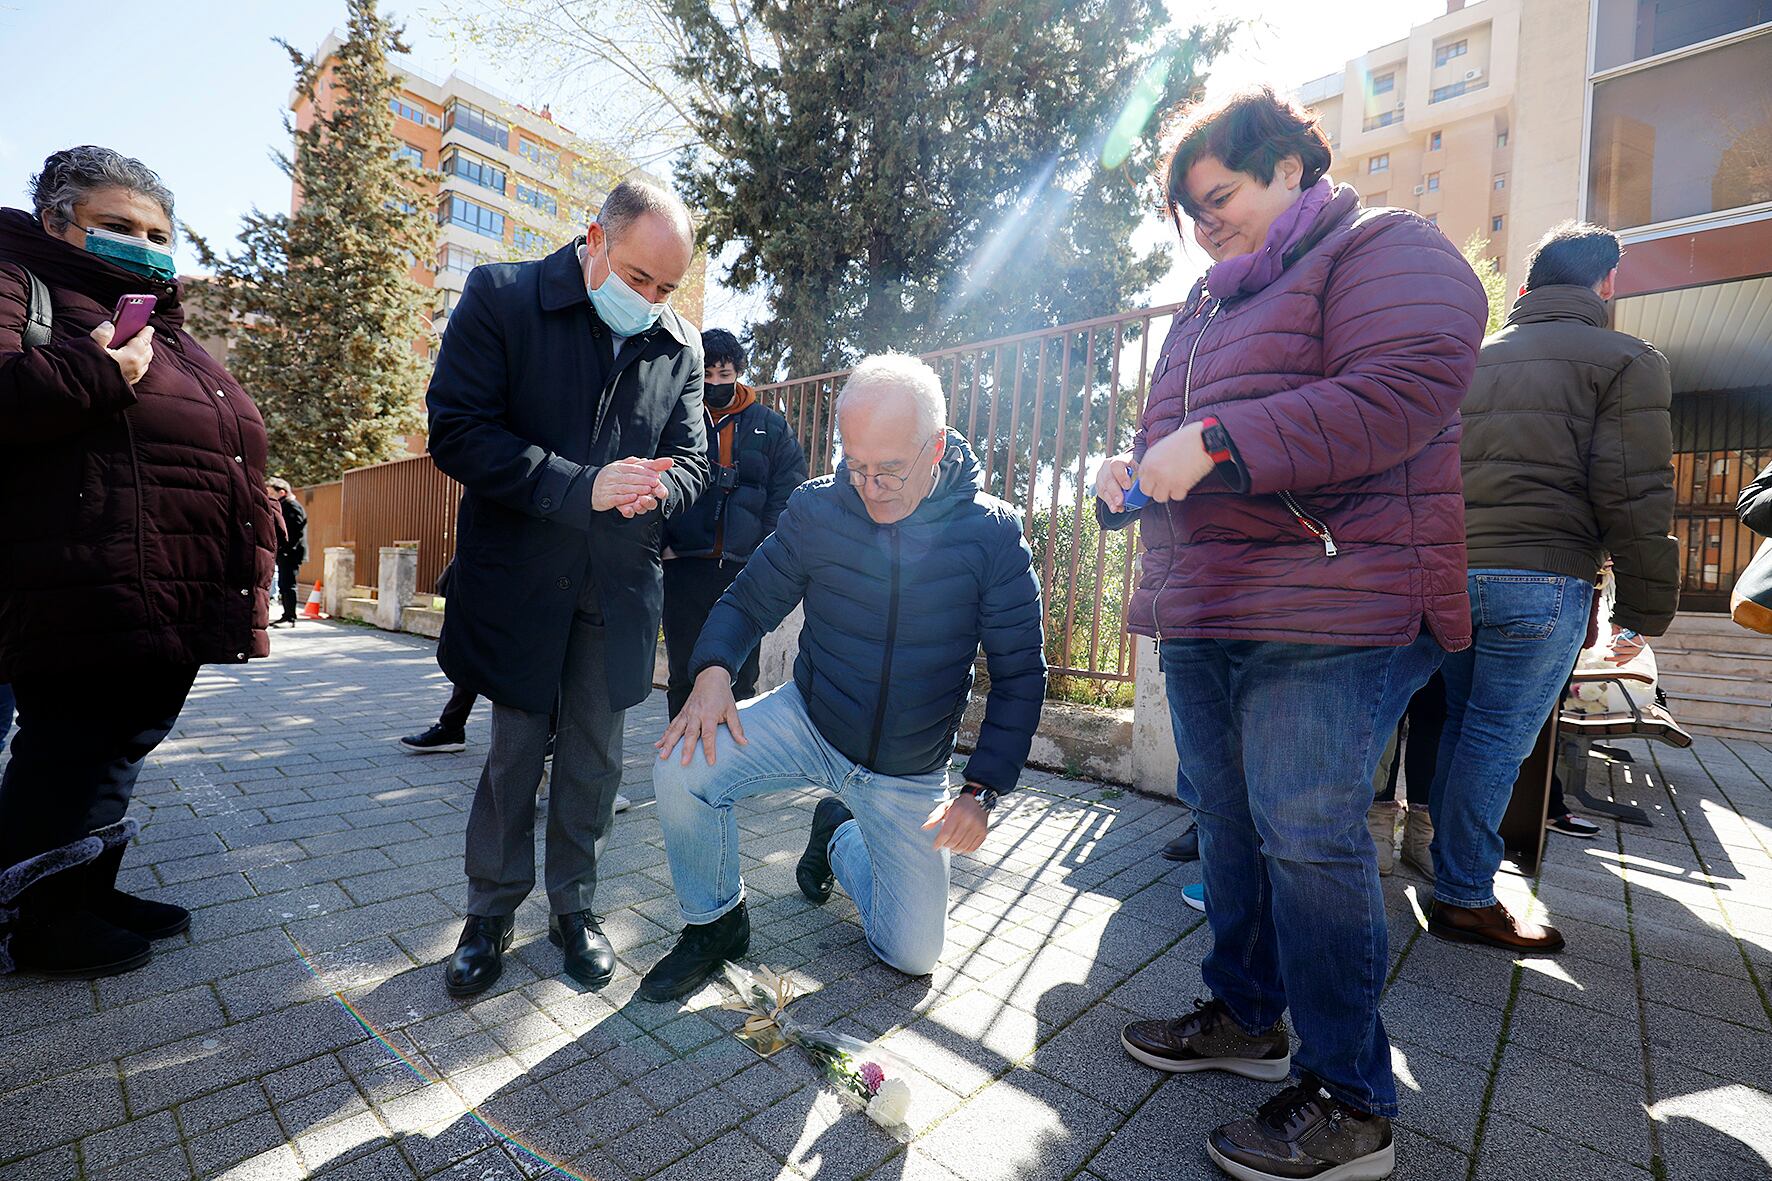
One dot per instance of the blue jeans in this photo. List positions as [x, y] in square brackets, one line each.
[1278, 744]
[883, 858]
[1527, 627]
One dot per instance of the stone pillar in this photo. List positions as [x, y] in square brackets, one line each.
[339, 579]
[398, 579]
[1153, 739]
[775, 663]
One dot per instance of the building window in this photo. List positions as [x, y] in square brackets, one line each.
[1382, 119]
[1433, 182]
[474, 169]
[1433, 142]
[1495, 223]
[414, 156]
[406, 110]
[1632, 30]
[1445, 53]
[480, 124]
[460, 211]
[1384, 83]
[458, 260]
[1664, 147]
[539, 198]
[1442, 93]
[529, 241]
[1501, 139]
[1379, 163]
[403, 205]
[1501, 182]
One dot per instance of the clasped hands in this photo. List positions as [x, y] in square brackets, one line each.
[630, 486]
[1171, 468]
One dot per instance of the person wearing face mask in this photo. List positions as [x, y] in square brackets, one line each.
[136, 544]
[567, 403]
[755, 464]
[905, 568]
[1303, 576]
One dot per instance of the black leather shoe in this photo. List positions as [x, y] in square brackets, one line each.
[479, 958]
[1185, 847]
[589, 958]
[814, 871]
[700, 951]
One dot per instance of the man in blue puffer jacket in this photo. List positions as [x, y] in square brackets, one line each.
[905, 569]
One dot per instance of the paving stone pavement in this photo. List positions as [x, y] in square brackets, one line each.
[301, 1028]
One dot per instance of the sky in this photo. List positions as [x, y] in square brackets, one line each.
[198, 90]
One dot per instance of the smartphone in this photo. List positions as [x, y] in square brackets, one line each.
[1136, 497]
[131, 317]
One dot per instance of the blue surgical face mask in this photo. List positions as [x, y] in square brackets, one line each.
[624, 310]
[132, 254]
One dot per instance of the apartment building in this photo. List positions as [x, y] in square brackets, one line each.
[1427, 123]
[505, 182]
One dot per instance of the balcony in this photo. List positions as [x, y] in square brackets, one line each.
[1382, 119]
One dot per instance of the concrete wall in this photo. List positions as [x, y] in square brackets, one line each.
[1550, 109]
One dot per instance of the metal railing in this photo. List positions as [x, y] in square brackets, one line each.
[1040, 409]
[406, 500]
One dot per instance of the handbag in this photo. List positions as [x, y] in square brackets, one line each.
[1750, 603]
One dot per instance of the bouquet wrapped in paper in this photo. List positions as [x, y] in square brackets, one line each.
[867, 1078]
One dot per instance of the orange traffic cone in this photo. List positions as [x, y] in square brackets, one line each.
[312, 610]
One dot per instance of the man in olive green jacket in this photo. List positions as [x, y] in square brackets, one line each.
[1568, 460]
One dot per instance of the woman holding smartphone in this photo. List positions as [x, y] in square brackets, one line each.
[135, 545]
[1303, 575]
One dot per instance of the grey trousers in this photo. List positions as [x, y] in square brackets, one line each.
[581, 806]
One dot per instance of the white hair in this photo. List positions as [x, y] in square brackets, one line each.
[900, 373]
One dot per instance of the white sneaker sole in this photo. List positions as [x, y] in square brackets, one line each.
[1267, 1070]
[1375, 1167]
[622, 803]
[448, 748]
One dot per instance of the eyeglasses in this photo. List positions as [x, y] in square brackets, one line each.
[884, 481]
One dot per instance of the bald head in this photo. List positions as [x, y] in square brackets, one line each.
[643, 233]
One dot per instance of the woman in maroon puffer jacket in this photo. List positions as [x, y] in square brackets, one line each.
[1303, 575]
[135, 545]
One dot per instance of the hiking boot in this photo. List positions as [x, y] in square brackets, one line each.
[1492, 925]
[1209, 1039]
[1381, 822]
[1304, 1132]
[1418, 841]
[589, 958]
[436, 740]
[814, 871]
[700, 951]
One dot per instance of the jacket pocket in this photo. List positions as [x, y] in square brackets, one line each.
[1519, 606]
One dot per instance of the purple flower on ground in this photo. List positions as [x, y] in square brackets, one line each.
[872, 1076]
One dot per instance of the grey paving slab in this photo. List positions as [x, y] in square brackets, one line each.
[300, 1029]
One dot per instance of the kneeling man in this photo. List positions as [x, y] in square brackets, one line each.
[905, 567]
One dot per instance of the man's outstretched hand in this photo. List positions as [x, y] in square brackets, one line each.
[710, 706]
[964, 824]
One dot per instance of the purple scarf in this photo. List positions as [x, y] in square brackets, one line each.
[1244, 274]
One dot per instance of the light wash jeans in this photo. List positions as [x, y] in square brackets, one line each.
[883, 859]
[1278, 744]
[1527, 628]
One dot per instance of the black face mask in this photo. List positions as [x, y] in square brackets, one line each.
[719, 395]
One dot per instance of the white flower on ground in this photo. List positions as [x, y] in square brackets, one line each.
[891, 1104]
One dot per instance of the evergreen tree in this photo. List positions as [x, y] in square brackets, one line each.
[326, 323]
[1476, 252]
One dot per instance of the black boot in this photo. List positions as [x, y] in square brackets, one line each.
[479, 958]
[150, 920]
[700, 951]
[589, 958]
[44, 926]
[814, 871]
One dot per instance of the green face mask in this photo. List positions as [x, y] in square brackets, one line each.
[132, 254]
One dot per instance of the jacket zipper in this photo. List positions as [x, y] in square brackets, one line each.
[886, 664]
[1312, 525]
[1187, 405]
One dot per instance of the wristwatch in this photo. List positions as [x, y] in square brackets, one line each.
[986, 797]
[1216, 440]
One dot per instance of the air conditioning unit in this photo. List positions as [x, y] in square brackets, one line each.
[1399, 104]
[433, 121]
[1472, 75]
[1418, 190]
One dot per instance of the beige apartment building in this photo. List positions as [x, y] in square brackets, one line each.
[505, 182]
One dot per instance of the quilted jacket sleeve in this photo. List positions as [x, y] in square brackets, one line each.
[1012, 634]
[55, 391]
[1631, 487]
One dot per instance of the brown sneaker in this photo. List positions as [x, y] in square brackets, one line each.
[1209, 1039]
[1492, 925]
[1304, 1132]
